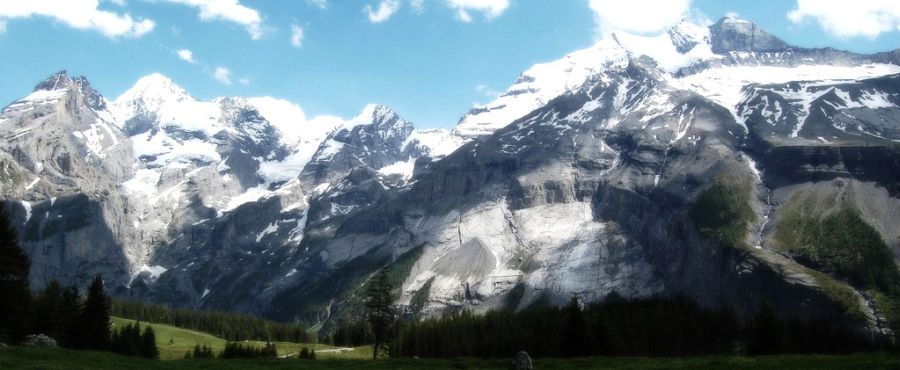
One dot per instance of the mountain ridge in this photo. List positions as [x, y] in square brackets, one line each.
[583, 178]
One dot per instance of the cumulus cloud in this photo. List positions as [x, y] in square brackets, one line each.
[386, 9]
[490, 8]
[287, 116]
[230, 11]
[640, 16]
[417, 6]
[244, 81]
[186, 55]
[223, 75]
[79, 14]
[2, 26]
[296, 36]
[842, 18]
[321, 4]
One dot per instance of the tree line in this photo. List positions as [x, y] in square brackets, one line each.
[60, 313]
[654, 326]
[230, 326]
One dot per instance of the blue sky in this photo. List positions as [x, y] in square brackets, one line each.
[428, 59]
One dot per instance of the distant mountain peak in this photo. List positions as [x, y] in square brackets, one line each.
[736, 34]
[374, 114]
[155, 87]
[56, 81]
[686, 35]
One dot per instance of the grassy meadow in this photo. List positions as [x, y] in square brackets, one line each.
[53, 359]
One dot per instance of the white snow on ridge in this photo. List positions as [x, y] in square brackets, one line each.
[273, 227]
[437, 142]
[541, 83]
[868, 99]
[402, 168]
[171, 104]
[32, 183]
[665, 53]
[725, 85]
[153, 272]
[27, 206]
[45, 95]
[171, 152]
[251, 195]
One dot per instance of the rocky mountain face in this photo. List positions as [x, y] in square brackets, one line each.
[704, 161]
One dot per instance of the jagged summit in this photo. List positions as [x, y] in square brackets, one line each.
[58, 86]
[735, 34]
[58, 80]
[373, 113]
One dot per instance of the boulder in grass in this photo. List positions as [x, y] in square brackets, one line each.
[39, 340]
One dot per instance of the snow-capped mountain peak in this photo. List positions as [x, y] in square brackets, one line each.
[681, 46]
[541, 83]
[371, 114]
[153, 91]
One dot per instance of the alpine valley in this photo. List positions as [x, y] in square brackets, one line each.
[715, 162]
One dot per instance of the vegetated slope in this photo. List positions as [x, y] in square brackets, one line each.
[173, 342]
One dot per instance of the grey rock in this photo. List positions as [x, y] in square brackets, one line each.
[39, 340]
[735, 34]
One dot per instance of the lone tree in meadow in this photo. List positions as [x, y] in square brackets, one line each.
[378, 309]
[15, 298]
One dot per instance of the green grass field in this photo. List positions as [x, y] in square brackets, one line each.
[54, 359]
[173, 342]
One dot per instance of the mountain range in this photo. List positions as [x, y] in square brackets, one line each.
[716, 162]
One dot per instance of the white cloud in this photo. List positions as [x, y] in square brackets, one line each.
[842, 18]
[296, 36]
[321, 4]
[490, 8]
[640, 16]
[228, 10]
[244, 81]
[288, 117]
[223, 75]
[186, 55]
[488, 91]
[417, 6]
[386, 9]
[2, 26]
[118, 2]
[79, 14]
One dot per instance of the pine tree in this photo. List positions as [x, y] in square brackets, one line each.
[93, 328]
[768, 332]
[15, 298]
[575, 334]
[48, 311]
[148, 344]
[378, 309]
[72, 306]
